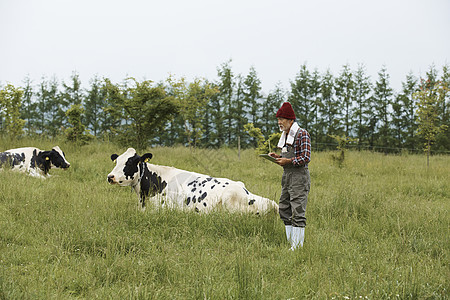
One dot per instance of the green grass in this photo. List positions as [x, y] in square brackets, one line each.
[378, 228]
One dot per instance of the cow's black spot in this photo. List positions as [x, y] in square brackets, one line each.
[194, 199]
[223, 185]
[19, 158]
[251, 202]
[39, 160]
[209, 178]
[192, 182]
[213, 186]
[11, 159]
[131, 167]
[193, 190]
[145, 184]
[188, 200]
[227, 183]
[204, 204]
[157, 184]
[33, 159]
[203, 196]
[4, 157]
[246, 191]
[151, 183]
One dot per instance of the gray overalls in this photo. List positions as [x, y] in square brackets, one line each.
[295, 184]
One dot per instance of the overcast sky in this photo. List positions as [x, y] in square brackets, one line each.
[192, 38]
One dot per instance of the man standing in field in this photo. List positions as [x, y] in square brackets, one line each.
[295, 144]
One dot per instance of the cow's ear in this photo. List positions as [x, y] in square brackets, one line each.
[114, 157]
[146, 157]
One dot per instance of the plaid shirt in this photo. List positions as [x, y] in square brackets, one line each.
[302, 149]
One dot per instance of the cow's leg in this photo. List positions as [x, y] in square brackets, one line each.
[142, 202]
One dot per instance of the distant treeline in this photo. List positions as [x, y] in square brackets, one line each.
[207, 113]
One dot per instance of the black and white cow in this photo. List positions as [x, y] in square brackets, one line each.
[33, 160]
[183, 189]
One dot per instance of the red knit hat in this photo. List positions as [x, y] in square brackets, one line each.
[286, 111]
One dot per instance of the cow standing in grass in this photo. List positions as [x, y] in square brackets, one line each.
[34, 161]
[183, 189]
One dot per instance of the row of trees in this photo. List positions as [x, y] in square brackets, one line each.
[207, 113]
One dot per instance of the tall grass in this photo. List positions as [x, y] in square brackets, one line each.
[378, 228]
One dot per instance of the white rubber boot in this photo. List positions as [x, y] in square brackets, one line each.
[298, 236]
[289, 233]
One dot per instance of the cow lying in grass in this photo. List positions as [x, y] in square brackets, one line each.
[183, 189]
[34, 161]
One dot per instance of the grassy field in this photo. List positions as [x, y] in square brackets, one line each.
[378, 228]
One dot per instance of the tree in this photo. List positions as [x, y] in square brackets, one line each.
[432, 78]
[96, 118]
[28, 109]
[263, 145]
[445, 79]
[257, 135]
[252, 93]
[252, 96]
[316, 106]
[10, 103]
[344, 93]
[207, 120]
[41, 107]
[443, 138]
[49, 108]
[193, 111]
[329, 114]
[269, 109]
[93, 106]
[77, 131]
[216, 138]
[403, 119]
[224, 120]
[174, 132]
[361, 111]
[342, 144]
[382, 100]
[428, 101]
[239, 112]
[300, 97]
[192, 99]
[72, 93]
[147, 108]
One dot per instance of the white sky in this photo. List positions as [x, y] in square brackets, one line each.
[152, 39]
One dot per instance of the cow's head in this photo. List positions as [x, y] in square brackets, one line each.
[126, 171]
[58, 158]
[54, 158]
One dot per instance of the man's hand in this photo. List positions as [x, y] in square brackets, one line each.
[274, 155]
[284, 161]
[281, 161]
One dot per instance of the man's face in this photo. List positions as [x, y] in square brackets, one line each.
[284, 124]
